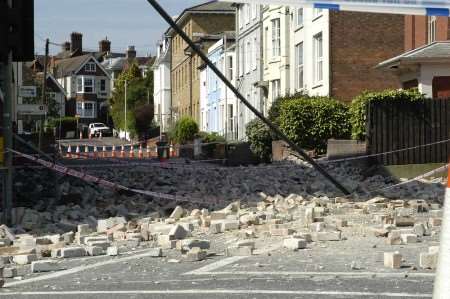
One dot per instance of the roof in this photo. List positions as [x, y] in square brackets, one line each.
[436, 51]
[208, 7]
[65, 67]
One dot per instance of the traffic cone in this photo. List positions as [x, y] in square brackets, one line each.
[81, 135]
[442, 279]
[132, 151]
[140, 153]
[122, 152]
[77, 152]
[69, 152]
[95, 152]
[113, 151]
[101, 135]
[148, 151]
[104, 153]
[171, 152]
[86, 151]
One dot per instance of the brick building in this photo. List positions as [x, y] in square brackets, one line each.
[334, 53]
[426, 62]
[201, 23]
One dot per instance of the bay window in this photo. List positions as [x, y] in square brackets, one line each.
[86, 109]
[85, 84]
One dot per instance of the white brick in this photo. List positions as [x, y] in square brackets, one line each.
[428, 260]
[392, 260]
[94, 250]
[177, 213]
[294, 243]
[9, 272]
[178, 233]
[238, 251]
[24, 259]
[327, 236]
[409, 238]
[112, 251]
[70, 252]
[45, 266]
[155, 252]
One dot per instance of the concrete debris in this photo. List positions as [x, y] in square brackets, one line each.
[46, 266]
[392, 260]
[24, 259]
[195, 254]
[294, 243]
[112, 251]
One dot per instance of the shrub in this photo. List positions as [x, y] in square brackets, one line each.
[210, 137]
[310, 122]
[358, 108]
[185, 130]
[260, 139]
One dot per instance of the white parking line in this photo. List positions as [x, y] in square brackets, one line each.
[223, 292]
[76, 269]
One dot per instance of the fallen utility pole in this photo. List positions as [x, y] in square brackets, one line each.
[44, 93]
[272, 127]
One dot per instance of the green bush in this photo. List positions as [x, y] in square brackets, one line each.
[358, 108]
[210, 137]
[260, 139]
[185, 130]
[311, 121]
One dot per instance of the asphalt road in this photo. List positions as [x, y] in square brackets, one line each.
[319, 272]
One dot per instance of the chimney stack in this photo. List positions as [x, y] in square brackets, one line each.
[131, 52]
[76, 42]
[66, 46]
[104, 45]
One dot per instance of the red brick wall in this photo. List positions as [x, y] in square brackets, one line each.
[358, 42]
[416, 31]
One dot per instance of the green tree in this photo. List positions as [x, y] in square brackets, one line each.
[140, 109]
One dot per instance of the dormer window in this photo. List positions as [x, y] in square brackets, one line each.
[90, 67]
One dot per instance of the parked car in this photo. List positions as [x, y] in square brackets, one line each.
[96, 128]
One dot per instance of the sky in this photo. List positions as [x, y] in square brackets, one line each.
[123, 22]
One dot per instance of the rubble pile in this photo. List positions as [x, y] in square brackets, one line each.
[297, 222]
[41, 209]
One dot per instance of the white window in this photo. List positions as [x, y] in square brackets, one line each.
[241, 16]
[90, 67]
[230, 68]
[247, 13]
[266, 48]
[230, 117]
[255, 54]
[276, 41]
[254, 11]
[317, 12]
[275, 89]
[431, 29]
[299, 17]
[248, 59]
[85, 84]
[299, 66]
[318, 58]
[86, 109]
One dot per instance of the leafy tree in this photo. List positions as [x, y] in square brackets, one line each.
[140, 109]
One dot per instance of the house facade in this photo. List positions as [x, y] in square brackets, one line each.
[426, 63]
[276, 45]
[217, 101]
[249, 68]
[162, 85]
[201, 23]
[87, 86]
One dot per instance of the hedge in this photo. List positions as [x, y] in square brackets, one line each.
[260, 139]
[185, 129]
[358, 108]
[311, 121]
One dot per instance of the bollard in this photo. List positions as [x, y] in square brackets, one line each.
[442, 279]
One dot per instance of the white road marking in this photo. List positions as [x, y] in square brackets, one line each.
[222, 292]
[294, 273]
[76, 270]
[216, 265]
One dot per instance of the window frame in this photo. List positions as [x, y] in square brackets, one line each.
[318, 58]
[276, 37]
[90, 67]
[299, 66]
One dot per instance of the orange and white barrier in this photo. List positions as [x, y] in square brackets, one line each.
[140, 153]
[442, 280]
[131, 154]
[122, 152]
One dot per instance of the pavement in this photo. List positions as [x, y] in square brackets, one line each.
[323, 270]
[105, 141]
